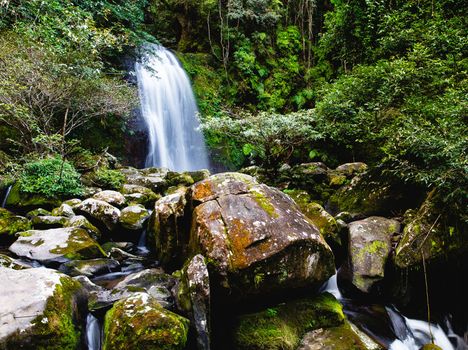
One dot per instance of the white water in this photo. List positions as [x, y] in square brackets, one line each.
[7, 193]
[170, 111]
[141, 247]
[411, 334]
[93, 333]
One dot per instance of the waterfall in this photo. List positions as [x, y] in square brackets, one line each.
[5, 198]
[93, 333]
[170, 112]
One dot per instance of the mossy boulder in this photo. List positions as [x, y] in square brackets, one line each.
[11, 223]
[282, 327]
[324, 221]
[168, 228]
[134, 217]
[81, 222]
[135, 194]
[152, 178]
[48, 221]
[255, 238]
[140, 322]
[64, 209]
[370, 244]
[431, 347]
[11, 263]
[100, 213]
[175, 179]
[114, 198]
[41, 309]
[430, 233]
[56, 245]
[21, 200]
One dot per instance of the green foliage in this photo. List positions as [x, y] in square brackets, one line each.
[267, 138]
[51, 177]
[109, 179]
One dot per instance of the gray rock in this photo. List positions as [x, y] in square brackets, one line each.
[46, 222]
[64, 210]
[134, 217]
[114, 198]
[102, 212]
[90, 268]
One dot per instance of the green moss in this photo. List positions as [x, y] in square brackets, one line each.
[11, 224]
[282, 326]
[264, 203]
[80, 246]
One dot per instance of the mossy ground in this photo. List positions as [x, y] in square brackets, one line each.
[282, 326]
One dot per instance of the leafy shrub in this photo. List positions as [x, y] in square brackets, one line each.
[51, 177]
[109, 179]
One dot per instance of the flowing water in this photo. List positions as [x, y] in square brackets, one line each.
[93, 333]
[390, 328]
[170, 111]
[5, 197]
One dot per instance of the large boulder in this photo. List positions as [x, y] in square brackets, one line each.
[102, 213]
[140, 322]
[135, 194]
[44, 222]
[41, 309]
[81, 222]
[429, 233]
[255, 238]
[168, 228]
[56, 245]
[21, 200]
[11, 223]
[90, 268]
[152, 178]
[370, 244]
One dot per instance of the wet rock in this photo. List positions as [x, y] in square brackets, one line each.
[125, 246]
[21, 200]
[56, 245]
[199, 175]
[193, 297]
[152, 281]
[73, 203]
[370, 243]
[46, 222]
[140, 322]
[38, 212]
[167, 230]
[352, 169]
[174, 179]
[41, 309]
[134, 217]
[426, 233]
[283, 326]
[11, 263]
[102, 212]
[255, 238]
[81, 222]
[431, 347]
[152, 178]
[64, 210]
[121, 255]
[11, 223]
[135, 194]
[90, 268]
[114, 198]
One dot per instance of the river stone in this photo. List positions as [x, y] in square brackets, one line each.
[11, 223]
[56, 245]
[89, 268]
[139, 195]
[11, 263]
[255, 238]
[74, 202]
[49, 221]
[64, 210]
[168, 226]
[101, 211]
[81, 222]
[41, 309]
[370, 243]
[140, 322]
[38, 212]
[152, 281]
[134, 217]
[193, 298]
[153, 180]
[114, 198]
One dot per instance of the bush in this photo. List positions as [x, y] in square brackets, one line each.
[51, 177]
[109, 179]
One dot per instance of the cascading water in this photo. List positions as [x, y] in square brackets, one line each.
[401, 333]
[93, 333]
[5, 197]
[170, 111]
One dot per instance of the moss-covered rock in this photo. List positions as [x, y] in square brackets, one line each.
[135, 194]
[56, 245]
[81, 222]
[65, 210]
[21, 200]
[89, 268]
[175, 179]
[41, 309]
[431, 347]
[428, 232]
[11, 223]
[114, 198]
[370, 244]
[134, 217]
[49, 221]
[11, 263]
[283, 326]
[324, 221]
[102, 213]
[255, 239]
[140, 322]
